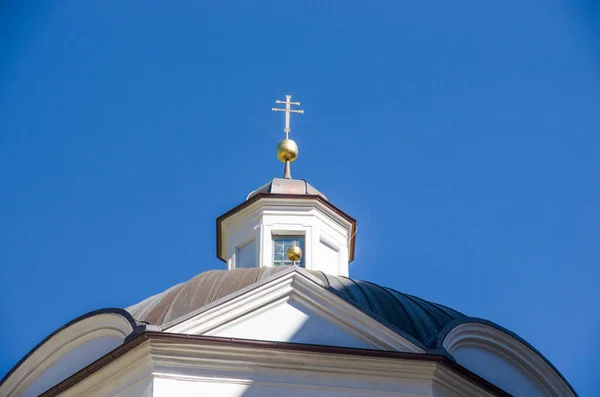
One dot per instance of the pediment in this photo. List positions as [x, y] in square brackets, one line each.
[293, 307]
[290, 321]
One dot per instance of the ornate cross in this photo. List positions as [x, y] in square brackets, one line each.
[287, 111]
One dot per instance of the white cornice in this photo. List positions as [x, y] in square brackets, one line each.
[275, 205]
[205, 361]
[286, 202]
[242, 358]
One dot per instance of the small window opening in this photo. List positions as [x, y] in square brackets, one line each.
[281, 244]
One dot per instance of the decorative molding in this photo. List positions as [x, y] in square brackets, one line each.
[493, 340]
[61, 343]
[196, 359]
[114, 379]
[298, 287]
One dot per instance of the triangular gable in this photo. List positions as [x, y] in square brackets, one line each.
[292, 307]
[289, 322]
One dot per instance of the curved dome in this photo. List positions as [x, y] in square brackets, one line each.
[416, 317]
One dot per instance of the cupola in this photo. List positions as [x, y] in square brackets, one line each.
[287, 213]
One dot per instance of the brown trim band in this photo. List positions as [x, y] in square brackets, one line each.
[212, 340]
[287, 196]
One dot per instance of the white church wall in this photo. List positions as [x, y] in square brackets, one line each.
[240, 234]
[499, 371]
[442, 391]
[327, 256]
[248, 388]
[142, 388]
[289, 322]
[246, 254]
[295, 380]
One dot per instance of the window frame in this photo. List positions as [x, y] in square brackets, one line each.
[300, 237]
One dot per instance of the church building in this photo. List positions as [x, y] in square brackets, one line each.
[283, 318]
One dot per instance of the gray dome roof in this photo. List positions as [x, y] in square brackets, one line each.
[420, 319]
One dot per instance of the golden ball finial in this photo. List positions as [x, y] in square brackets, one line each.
[287, 150]
[294, 253]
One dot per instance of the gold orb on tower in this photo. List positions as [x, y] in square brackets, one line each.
[287, 150]
[294, 253]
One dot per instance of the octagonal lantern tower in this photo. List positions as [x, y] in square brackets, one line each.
[283, 213]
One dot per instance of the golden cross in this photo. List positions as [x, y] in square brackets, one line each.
[287, 111]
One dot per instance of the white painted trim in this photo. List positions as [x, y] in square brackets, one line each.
[301, 287]
[61, 343]
[253, 365]
[267, 216]
[491, 339]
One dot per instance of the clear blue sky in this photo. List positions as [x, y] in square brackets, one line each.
[462, 135]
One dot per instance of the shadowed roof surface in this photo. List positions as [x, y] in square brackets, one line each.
[416, 317]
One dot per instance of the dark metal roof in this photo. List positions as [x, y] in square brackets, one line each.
[421, 320]
[287, 186]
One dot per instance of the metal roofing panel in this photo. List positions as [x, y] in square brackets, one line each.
[414, 316]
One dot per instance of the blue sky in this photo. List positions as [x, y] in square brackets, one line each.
[463, 137]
